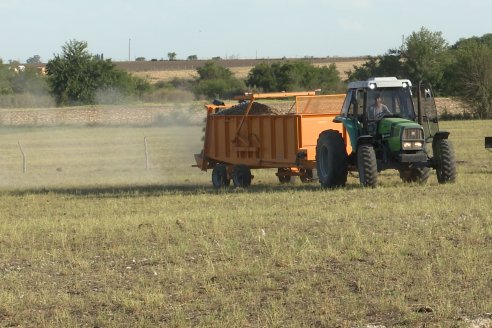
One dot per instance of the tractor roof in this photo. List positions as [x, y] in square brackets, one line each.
[380, 82]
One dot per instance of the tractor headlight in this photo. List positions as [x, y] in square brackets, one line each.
[412, 139]
[412, 145]
[407, 145]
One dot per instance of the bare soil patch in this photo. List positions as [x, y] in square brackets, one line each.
[450, 106]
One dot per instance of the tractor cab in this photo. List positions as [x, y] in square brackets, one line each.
[389, 124]
[361, 104]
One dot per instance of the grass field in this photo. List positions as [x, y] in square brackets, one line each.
[89, 237]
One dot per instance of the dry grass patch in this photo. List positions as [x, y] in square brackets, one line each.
[120, 248]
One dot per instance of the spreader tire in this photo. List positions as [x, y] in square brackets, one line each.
[284, 175]
[331, 159]
[219, 176]
[306, 176]
[241, 176]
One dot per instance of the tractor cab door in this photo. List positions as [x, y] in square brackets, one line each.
[350, 115]
[426, 109]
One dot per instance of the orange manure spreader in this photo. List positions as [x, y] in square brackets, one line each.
[256, 135]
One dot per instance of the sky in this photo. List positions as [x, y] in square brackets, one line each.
[123, 29]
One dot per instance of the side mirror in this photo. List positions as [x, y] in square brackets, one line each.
[428, 94]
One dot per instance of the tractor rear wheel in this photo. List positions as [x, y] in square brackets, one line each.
[415, 174]
[219, 176]
[331, 159]
[367, 165]
[241, 176]
[284, 175]
[445, 162]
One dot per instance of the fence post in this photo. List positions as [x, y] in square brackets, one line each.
[146, 154]
[24, 162]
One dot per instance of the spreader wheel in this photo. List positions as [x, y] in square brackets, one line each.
[284, 175]
[306, 175]
[241, 176]
[219, 176]
[331, 159]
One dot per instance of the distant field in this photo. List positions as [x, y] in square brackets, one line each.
[91, 237]
[166, 70]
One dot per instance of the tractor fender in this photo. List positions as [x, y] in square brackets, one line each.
[440, 135]
[365, 139]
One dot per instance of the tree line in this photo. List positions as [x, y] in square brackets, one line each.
[75, 77]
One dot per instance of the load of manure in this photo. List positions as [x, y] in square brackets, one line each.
[256, 109]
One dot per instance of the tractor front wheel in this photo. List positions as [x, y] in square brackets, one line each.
[367, 165]
[241, 176]
[444, 160]
[331, 159]
[219, 176]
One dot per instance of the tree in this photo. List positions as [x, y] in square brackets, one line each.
[171, 55]
[214, 71]
[425, 56]
[389, 64]
[217, 81]
[293, 76]
[76, 76]
[192, 57]
[36, 59]
[469, 76]
[5, 86]
[263, 76]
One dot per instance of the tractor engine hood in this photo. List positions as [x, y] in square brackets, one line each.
[392, 130]
[392, 127]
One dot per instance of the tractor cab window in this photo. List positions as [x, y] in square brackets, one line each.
[389, 102]
[346, 108]
[349, 106]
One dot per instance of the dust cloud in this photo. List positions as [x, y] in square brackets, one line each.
[125, 144]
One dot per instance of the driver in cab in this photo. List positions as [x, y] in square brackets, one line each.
[378, 110]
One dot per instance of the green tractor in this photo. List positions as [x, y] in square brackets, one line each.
[390, 125]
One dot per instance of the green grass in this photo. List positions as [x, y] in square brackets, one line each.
[89, 237]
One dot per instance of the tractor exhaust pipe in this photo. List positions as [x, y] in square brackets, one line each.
[419, 104]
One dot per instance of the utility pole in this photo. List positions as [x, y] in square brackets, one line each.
[129, 49]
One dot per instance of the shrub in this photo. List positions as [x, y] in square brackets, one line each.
[217, 81]
[293, 76]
